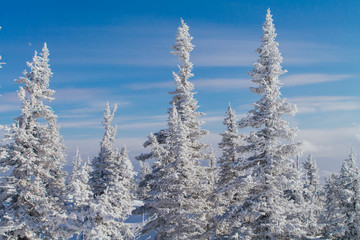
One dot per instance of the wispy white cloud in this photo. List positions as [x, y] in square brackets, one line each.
[307, 52]
[127, 122]
[225, 52]
[216, 84]
[142, 125]
[240, 52]
[222, 84]
[311, 104]
[80, 124]
[330, 146]
[76, 94]
[9, 107]
[212, 118]
[151, 85]
[312, 78]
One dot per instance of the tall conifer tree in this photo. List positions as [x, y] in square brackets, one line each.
[177, 204]
[164, 149]
[312, 196]
[349, 197]
[112, 184]
[79, 194]
[230, 152]
[272, 207]
[35, 189]
[332, 220]
[183, 97]
[227, 193]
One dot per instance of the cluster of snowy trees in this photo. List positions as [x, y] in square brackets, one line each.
[36, 202]
[256, 189]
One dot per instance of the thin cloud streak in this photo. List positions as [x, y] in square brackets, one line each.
[312, 104]
[321, 142]
[312, 78]
[222, 84]
[225, 84]
[151, 85]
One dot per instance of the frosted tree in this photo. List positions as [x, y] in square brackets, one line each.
[109, 210]
[112, 183]
[79, 193]
[177, 207]
[36, 156]
[150, 188]
[144, 171]
[312, 195]
[226, 192]
[183, 97]
[152, 185]
[101, 173]
[349, 197]
[332, 220]
[272, 207]
[162, 143]
[229, 145]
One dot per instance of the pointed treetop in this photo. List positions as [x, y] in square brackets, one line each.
[230, 109]
[45, 50]
[349, 166]
[268, 24]
[268, 14]
[108, 141]
[108, 114]
[77, 159]
[183, 45]
[268, 68]
[230, 118]
[76, 165]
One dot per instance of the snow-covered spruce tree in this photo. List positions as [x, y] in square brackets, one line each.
[34, 190]
[183, 96]
[144, 171]
[112, 183]
[312, 196]
[79, 193]
[332, 220]
[162, 143]
[226, 191]
[99, 177]
[109, 210]
[349, 197]
[177, 208]
[273, 205]
[230, 152]
[150, 188]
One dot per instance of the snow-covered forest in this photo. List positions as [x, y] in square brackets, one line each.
[255, 189]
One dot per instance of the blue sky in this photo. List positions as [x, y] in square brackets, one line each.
[119, 51]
